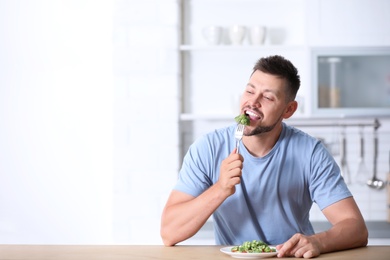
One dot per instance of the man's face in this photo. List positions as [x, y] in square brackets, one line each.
[264, 101]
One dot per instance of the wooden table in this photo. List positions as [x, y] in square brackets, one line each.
[114, 252]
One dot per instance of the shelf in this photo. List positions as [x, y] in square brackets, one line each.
[266, 48]
[207, 117]
[230, 117]
[300, 120]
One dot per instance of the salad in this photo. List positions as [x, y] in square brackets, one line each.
[242, 119]
[256, 246]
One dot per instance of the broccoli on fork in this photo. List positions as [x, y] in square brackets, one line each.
[242, 119]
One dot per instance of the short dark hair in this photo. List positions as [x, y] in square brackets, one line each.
[282, 68]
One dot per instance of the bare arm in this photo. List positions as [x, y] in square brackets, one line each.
[348, 231]
[184, 214]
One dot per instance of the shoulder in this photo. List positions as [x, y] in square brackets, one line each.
[218, 136]
[303, 143]
[296, 135]
[213, 142]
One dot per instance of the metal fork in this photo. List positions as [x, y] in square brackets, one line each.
[238, 134]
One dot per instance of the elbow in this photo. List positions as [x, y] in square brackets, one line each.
[167, 233]
[167, 242]
[362, 235]
[166, 238]
[364, 239]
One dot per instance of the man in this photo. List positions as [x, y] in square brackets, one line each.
[266, 191]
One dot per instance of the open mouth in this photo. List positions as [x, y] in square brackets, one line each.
[253, 116]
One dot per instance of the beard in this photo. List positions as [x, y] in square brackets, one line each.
[263, 129]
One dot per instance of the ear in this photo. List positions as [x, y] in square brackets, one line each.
[290, 109]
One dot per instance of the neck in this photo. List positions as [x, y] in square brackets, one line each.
[261, 144]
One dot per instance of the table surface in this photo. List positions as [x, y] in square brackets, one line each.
[139, 252]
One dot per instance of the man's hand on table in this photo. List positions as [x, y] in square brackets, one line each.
[299, 246]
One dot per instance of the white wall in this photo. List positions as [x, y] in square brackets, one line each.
[56, 121]
[146, 70]
[88, 120]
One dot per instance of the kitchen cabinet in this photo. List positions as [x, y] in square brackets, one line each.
[351, 81]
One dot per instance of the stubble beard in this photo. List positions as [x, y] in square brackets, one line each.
[263, 129]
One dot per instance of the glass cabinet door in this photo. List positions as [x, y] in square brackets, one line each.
[352, 81]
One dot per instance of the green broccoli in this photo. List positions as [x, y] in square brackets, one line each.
[256, 246]
[242, 119]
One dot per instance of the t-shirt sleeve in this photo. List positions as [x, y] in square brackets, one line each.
[327, 185]
[193, 178]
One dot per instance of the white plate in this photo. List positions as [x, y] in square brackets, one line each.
[228, 251]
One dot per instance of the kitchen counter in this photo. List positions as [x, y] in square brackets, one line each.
[116, 252]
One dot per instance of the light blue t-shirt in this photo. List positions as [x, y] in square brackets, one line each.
[280, 187]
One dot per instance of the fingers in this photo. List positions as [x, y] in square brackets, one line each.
[233, 161]
[303, 252]
[235, 156]
[298, 246]
[309, 254]
[232, 168]
[286, 248]
[230, 172]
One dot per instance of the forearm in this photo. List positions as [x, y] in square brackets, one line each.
[181, 221]
[349, 233]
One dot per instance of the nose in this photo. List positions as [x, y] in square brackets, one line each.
[255, 101]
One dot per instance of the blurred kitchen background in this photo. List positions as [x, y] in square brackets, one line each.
[99, 101]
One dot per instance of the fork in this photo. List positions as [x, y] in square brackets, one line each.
[238, 134]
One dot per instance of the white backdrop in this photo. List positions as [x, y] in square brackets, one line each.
[56, 121]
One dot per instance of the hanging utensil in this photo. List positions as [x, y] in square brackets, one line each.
[375, 182]
[343, 159]
[388, 192]
[362, 171]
